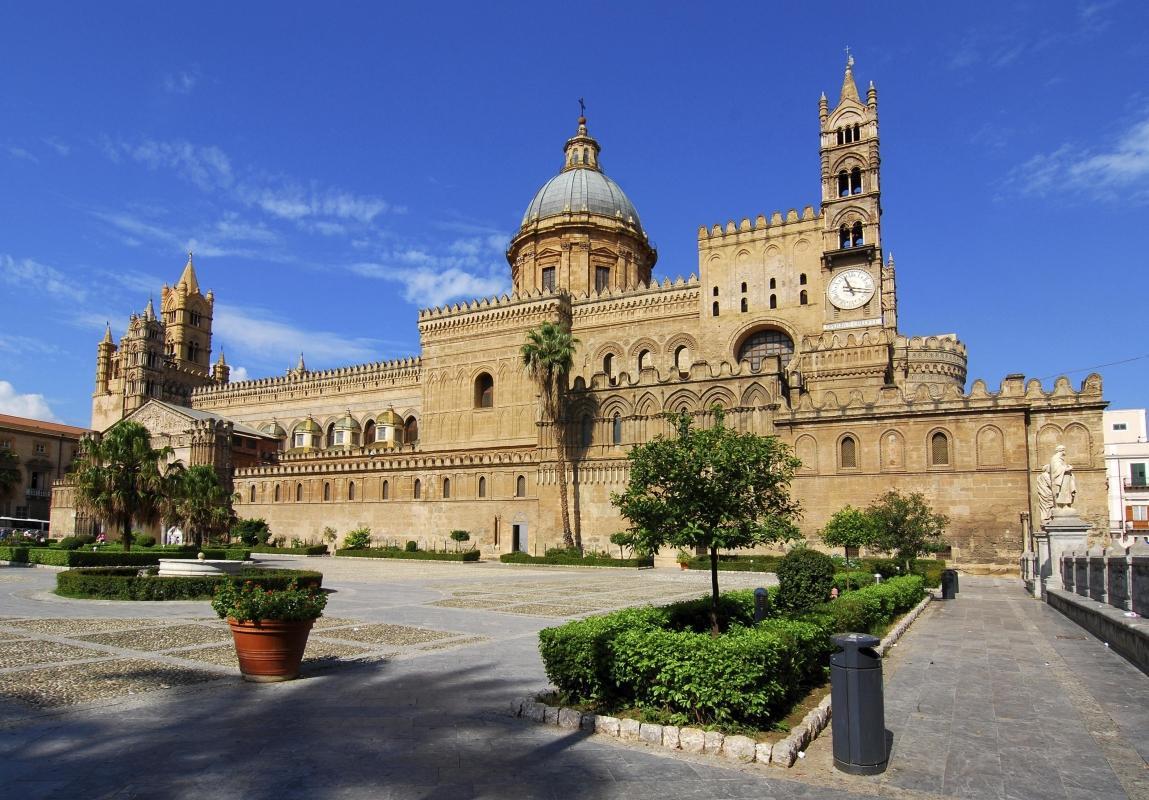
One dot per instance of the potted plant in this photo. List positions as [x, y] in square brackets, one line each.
[684, 557]
[269, 626]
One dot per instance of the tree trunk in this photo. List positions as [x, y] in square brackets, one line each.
[568, 539]
[714, 630]
[126, 535]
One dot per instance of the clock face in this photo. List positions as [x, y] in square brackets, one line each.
[851, 289]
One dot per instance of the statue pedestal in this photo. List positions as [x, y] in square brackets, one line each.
[1059, 535]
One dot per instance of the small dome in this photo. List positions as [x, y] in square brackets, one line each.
[273, 428]
[347, 423]
[309, 426]
[389, 417]
[581, 190]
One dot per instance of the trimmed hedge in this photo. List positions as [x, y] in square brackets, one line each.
[127, 583]
[848, 581]
[425, 555]
[576, 561]
[97, 558]
[663, 659]
[737, 563]
[306, 550]
[930, 569]
[17, 555]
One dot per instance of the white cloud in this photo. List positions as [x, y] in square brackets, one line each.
[434, 286]
[27, 345]
[208, 168]
[255, 332]
[239, 374]
[29, 274]
[181, 82]
[32, 406]
[61, 147]
[296, 203]
[21, 154]
[213, 241]
[1117, 171]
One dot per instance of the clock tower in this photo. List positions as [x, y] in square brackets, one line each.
[859, 291]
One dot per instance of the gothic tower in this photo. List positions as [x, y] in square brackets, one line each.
[141, 354]
[187, 317]
[852, 211]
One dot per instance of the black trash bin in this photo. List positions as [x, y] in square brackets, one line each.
[859, 715]
[949, 584]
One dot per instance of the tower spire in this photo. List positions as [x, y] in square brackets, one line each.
[107, 333]
[188, 277]
[150, 311]
[849, 88]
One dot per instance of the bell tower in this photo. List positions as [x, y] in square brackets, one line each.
[187, 318]
[852, 209]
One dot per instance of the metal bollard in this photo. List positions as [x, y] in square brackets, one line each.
[761, 604]
[949, 584]
[859, 716]
[877, 577]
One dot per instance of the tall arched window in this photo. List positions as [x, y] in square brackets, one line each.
[856, 181]
[276, 493]
[743, 285]
[251, 495]
[521, 486]
[385, 491]
[714, 309]
[745, 305]
[326, 492]
[331, 435]
[857, 238]
[803, 298]
[418, 493]
[841, 138]
[446, 488]
[857, 132]
[351, 490]
[616, 429]
[682, 360]
[369, 432]
[484, 391]
[761, 344]
[299, 492]
[939, 450]
[608, 365]
[773, 301]
[482, 486]
[848, 453]
[586, 429]
[843, 183]
[644, 361]
[411, 430]
[843, 237]
[773, 283]
[802, 279]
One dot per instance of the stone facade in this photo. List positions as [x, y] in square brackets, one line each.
[790, 326]
[43, 453]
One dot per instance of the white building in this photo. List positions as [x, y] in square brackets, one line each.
[1126, 460]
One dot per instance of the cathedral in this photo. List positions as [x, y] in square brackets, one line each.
[791, 326]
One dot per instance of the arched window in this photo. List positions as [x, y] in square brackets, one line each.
[848, 453]
[616, 429]
[351, 490]
[521, 486]
[857, 238]
[277, 492]
[841, 138]
[418, 493]
[369, 432]
[714, 309]
[644, 361]
[745, 305]
[326, 492]
[299, 492]
[803, 298]
[482, 486]
[411, 430]
[608, 365]
[714, 291]
[843, 237]
[586, 429]
[856, 181]
[773, 283]
[939, 450]
[484, 391]
[802, 279]
[761, 344]
[843, 183]
[857, 132]
[682, 359]
[773, 301]
[331, 435]
[385, 491]
[251, 497]
[744, 286]
[446, 488]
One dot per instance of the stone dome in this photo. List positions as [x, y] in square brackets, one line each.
[581, 190]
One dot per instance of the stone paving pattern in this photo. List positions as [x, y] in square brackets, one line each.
[993, 695]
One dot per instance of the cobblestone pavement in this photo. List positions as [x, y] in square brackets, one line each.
[404, 698]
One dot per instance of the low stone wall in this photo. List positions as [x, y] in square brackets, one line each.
[1115, 576]
[1129, 636]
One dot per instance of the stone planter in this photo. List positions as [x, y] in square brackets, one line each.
[270, 650]
[182, 567]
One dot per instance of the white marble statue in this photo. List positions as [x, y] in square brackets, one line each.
[1044, 496]
[174, 535]
[1062, 480]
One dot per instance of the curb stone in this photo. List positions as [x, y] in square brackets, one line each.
[781, 754]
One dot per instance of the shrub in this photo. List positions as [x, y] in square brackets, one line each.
[118, 558]
[251, 531]
[248, 602]
[357, 539]
[930, 570]
[587, 560]
[68, 543]
[411, 546]
[734, 608]
[425, 555]
[869, 608]
[306, 550]
[131, 583]
[848, 581]
[738, 563]
[805, 577]
[15, 555]
[145, 541]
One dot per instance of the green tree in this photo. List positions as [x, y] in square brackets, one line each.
[120, 478]
[709, 487]
[906, 526]
[548, 355]
[622, 539]
[253, 531]
[202, 503]
[849, 527]
[460, 536]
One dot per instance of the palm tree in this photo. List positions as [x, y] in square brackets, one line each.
[119, 479]
[202, 503]
[548, 355]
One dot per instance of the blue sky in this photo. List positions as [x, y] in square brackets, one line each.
[338, 166]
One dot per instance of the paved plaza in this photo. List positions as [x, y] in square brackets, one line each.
[407, 678]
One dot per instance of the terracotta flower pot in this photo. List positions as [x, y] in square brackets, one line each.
[270, 650]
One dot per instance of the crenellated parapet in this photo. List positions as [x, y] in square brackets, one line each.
[494, 313]
[645, 301]
[360, 460]
[937, 360]
[774, 224]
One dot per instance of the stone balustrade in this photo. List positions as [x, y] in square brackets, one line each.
[1116, 576]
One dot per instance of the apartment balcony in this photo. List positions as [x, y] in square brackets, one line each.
[1136, 486]
[39, 493]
